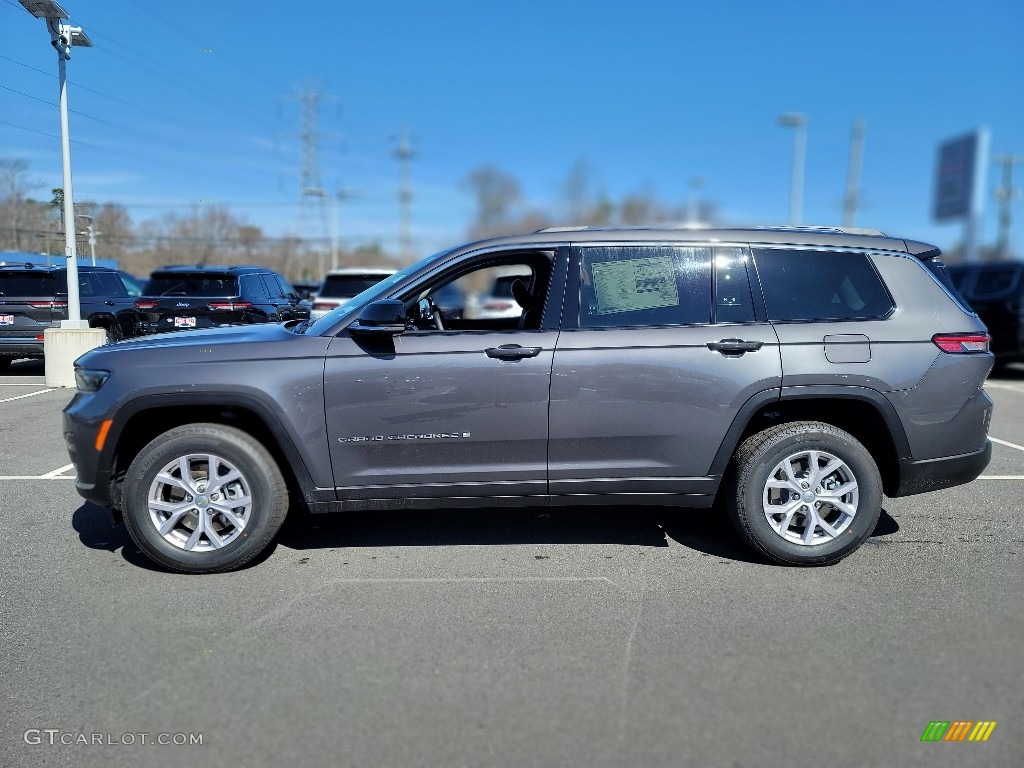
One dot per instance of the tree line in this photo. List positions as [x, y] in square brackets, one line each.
[210, 233]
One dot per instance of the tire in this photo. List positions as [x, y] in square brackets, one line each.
[847, 490]
[230, 534]
[5, 363]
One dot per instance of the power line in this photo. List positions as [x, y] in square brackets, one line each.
[51, 135]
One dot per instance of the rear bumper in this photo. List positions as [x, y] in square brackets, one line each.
[21, 347]
[936, 474]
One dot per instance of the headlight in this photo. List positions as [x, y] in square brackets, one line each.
[90, 380]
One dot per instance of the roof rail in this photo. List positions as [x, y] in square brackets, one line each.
[773, 228]
[837, 230]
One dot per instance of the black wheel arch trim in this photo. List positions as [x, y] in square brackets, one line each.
[809, 392]
[296, 465]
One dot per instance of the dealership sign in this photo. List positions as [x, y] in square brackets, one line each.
[960, 176]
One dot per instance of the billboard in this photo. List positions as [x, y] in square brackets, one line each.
[960, 176]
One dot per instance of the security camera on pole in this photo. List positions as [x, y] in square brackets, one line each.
[74, 337]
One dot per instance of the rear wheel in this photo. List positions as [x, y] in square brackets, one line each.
[805, 493]
[5, 363]
[204, 498]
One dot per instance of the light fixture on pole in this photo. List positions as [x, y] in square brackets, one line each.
[62, 38]
[798, 122]
[92, 236]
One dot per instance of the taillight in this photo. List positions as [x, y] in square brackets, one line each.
[142, 304]
[230, 305]
[497, 306]
[961, 343]
[323, 305]
[48, 304]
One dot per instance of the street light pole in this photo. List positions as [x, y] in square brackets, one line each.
[798, 122]
[62, 37]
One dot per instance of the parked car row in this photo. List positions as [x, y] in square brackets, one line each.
[996, 293]
[34, 298]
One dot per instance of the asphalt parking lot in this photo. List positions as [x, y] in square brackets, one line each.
[579, 637]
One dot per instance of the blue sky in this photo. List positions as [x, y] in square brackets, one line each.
[190, 101]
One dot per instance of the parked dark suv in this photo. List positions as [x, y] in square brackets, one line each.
[34, 298]
[996, 293]
[180, 298]
[794, 375]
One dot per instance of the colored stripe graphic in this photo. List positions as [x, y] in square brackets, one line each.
[935, 731]
[958, 730]
[982, 730]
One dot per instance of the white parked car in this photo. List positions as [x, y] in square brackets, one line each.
[340, 285]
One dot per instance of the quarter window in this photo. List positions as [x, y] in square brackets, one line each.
[624, 286]
[820, 285]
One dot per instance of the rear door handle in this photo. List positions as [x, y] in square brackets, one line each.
[734, 347]
[512, 352]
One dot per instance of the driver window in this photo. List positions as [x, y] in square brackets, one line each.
[507, 296]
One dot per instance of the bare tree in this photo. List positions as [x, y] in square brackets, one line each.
[14, 203]
[495, 193]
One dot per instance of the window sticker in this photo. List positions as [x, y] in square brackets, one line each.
[632, 284]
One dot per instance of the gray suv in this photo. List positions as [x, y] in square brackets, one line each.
[792, 375]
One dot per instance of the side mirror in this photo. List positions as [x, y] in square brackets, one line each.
[380, 318]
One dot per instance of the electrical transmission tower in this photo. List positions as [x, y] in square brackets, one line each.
[313, 220]
[404, 153]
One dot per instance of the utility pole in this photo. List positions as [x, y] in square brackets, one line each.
[798, 122]
[694, 186]
[92, 236]
[852, 197]
[404, 153]
[1005, 194]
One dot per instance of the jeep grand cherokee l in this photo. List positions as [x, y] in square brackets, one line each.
[792, 374]
[183, 298]
[34, 298]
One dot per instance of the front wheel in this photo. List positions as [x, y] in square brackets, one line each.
[804, 493]
[204, 498]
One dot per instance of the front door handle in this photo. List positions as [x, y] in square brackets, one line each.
[734, 347]
[512, 352]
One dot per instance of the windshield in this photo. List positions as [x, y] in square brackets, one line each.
[373, 292]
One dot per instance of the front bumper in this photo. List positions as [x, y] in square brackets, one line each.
[936, 474]
[92, 467]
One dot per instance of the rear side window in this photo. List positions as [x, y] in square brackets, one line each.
[623, 286]
[27, 284]
[253, 287]
[107, 284]
[191, 284]
[820, 285]
[992, 283]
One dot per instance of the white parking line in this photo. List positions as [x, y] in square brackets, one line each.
[1007, 444]
[30, 394]
[1001, 477]
[1018, 388]
[37, 477]
[61, 471]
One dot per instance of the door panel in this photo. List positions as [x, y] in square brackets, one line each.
[638, 409]
[431, 414]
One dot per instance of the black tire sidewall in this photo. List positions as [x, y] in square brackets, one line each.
[853, 454]
[265, 517]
